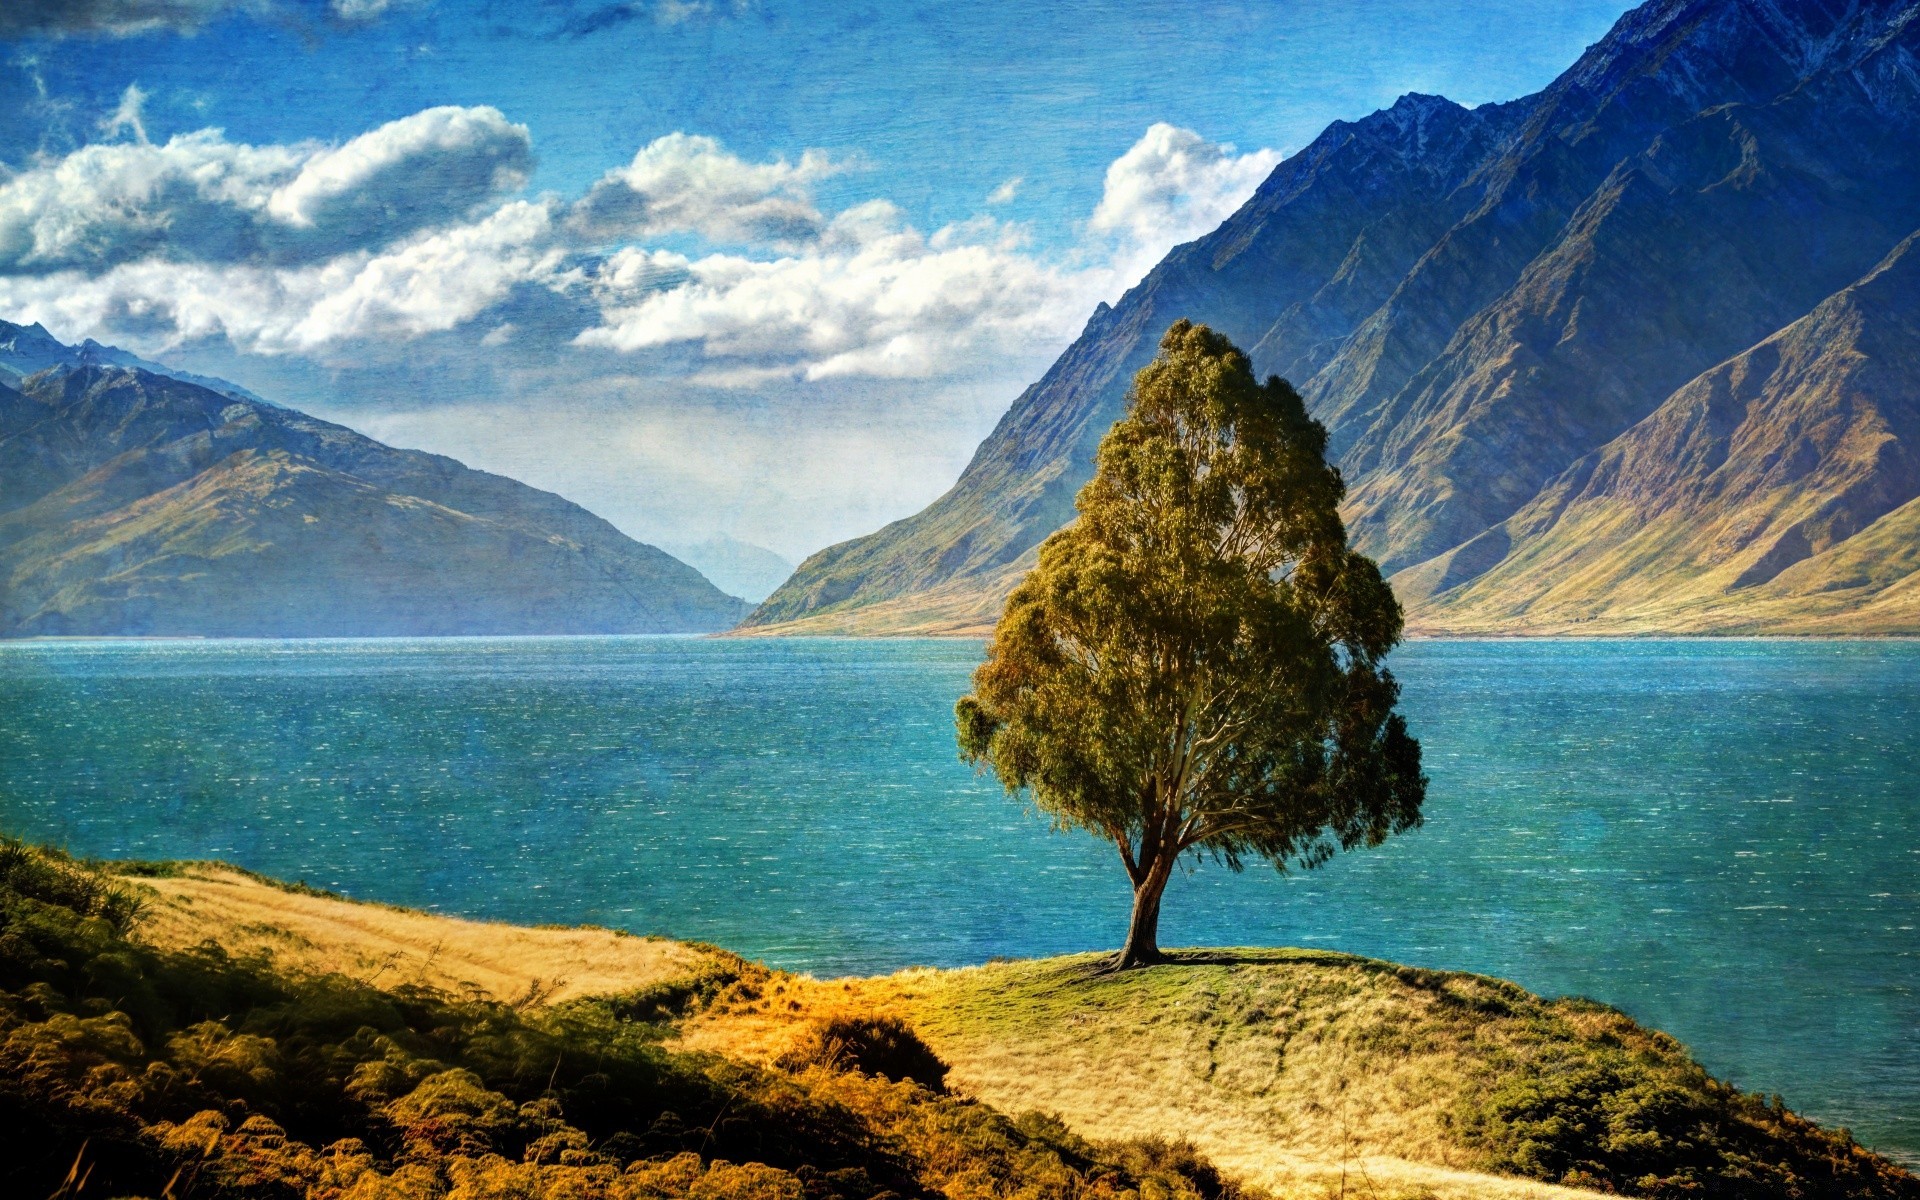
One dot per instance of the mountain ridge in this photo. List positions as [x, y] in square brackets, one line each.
[1474, 300]
[1751, 480]
[139, 503]
[29, 349]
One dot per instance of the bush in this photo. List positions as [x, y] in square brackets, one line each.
[1616, 1121]
[873, 1045]
[199, 1075]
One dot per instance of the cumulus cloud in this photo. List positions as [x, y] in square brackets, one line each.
[406, 230]
[198, 196]
[1172, 186]
[873, 298]
[427, 284]
[869, 296]
[434, 283]
[687, 184]
[201, 198]
[407, 174]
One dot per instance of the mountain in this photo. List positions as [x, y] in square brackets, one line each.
[1777, 489]
[1475, 301]
[737, 568]
[28, 349]
[138, 503]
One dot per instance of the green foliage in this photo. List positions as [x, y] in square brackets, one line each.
[198, 1075]
[1613, 1120]
[1195, 663]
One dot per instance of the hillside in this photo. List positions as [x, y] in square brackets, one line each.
[1475, 301]
[1290, 1070]
[133, 1069]
[1775, 491]
[137, 503]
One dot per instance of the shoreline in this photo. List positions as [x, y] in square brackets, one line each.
[773, 634]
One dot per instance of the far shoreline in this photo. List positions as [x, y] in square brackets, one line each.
[774, 635]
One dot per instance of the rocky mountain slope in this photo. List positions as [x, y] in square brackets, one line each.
[1777, 486]
[1475, 301]
[137, 503]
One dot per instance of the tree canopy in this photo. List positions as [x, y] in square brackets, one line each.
[1194, 665]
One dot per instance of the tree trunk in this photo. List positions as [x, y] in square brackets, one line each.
[1143, 932]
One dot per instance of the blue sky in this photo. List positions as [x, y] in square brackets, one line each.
[750, 267]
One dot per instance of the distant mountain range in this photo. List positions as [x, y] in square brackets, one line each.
[1638, 353]
[737, 568]
[29, 349]
[137, 502]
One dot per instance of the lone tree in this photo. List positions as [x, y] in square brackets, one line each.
[1193, 668]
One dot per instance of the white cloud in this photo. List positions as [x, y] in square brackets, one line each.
[435, 283]
[869, 296]
[429, 284]
[1173, 186]
[196, 196]
[127, 117]
[418, 170]
[201, 198]
[687, 184]
[299, 249]
[873, 298]
[1005, 193]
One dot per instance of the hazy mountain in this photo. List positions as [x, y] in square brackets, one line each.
[737, 568]
[1474, 301]
[137, 503]
[28, 349]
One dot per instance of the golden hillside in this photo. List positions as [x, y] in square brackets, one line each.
[1302, 1073]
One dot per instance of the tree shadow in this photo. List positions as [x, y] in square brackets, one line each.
[1108, 965]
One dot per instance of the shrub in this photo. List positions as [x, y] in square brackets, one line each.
[200, 1075]
[873, 1045]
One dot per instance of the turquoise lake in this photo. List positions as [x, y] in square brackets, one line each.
[1721, 838]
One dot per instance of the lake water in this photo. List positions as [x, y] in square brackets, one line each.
[1721, 838]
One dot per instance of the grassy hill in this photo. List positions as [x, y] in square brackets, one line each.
[192, 1030]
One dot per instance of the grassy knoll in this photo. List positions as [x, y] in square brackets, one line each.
[202, 1029]
[1309, 1073]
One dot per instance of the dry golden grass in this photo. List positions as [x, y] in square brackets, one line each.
[1306, 1074]
[307, 933]
[1303, 1073]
